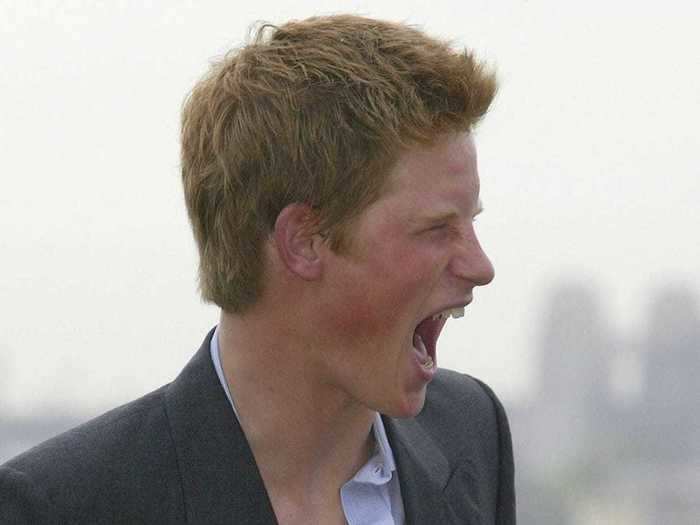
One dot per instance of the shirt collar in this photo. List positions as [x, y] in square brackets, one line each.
[380, 468]
[216, 359]
[383, 449]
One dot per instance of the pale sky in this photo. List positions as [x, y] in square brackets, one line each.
[588, 163]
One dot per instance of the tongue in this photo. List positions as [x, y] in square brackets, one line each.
[422, 351]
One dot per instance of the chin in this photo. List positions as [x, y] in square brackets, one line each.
[410, 406]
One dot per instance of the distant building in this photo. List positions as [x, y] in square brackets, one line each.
[587, 453]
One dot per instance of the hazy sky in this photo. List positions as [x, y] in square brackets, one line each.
[588, 164]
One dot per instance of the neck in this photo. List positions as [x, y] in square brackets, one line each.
[305, 434]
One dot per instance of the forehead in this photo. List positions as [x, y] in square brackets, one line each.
[443, 174]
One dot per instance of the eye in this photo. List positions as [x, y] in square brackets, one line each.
[438, 227]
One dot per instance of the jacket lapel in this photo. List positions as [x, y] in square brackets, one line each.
[220, 480]
[424, 473]
[422, 468]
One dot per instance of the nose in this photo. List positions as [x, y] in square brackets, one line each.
[470, 262]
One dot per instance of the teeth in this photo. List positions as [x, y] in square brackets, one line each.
[456, 313]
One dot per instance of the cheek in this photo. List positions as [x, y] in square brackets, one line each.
[364, 315]
[383, 303]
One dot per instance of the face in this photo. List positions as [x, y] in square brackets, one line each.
[413, 254]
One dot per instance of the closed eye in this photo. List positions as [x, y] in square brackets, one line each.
[441, 230]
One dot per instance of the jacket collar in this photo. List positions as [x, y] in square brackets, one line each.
[220, 481]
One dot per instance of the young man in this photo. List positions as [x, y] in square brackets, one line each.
[331, 181]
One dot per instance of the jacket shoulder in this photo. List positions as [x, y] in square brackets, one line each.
[110, 462]
[454, 396]
[465, 417]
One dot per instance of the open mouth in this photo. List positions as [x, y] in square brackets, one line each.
[426, 335]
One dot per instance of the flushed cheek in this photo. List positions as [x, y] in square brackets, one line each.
[364, 319]
[372, 317]
[379, 303]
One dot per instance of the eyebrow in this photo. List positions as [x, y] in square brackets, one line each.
[448, 215]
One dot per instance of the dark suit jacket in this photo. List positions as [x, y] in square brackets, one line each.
[178, 455]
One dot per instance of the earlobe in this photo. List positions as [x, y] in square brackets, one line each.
[296, 241]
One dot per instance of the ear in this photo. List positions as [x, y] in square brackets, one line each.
[297, 241]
